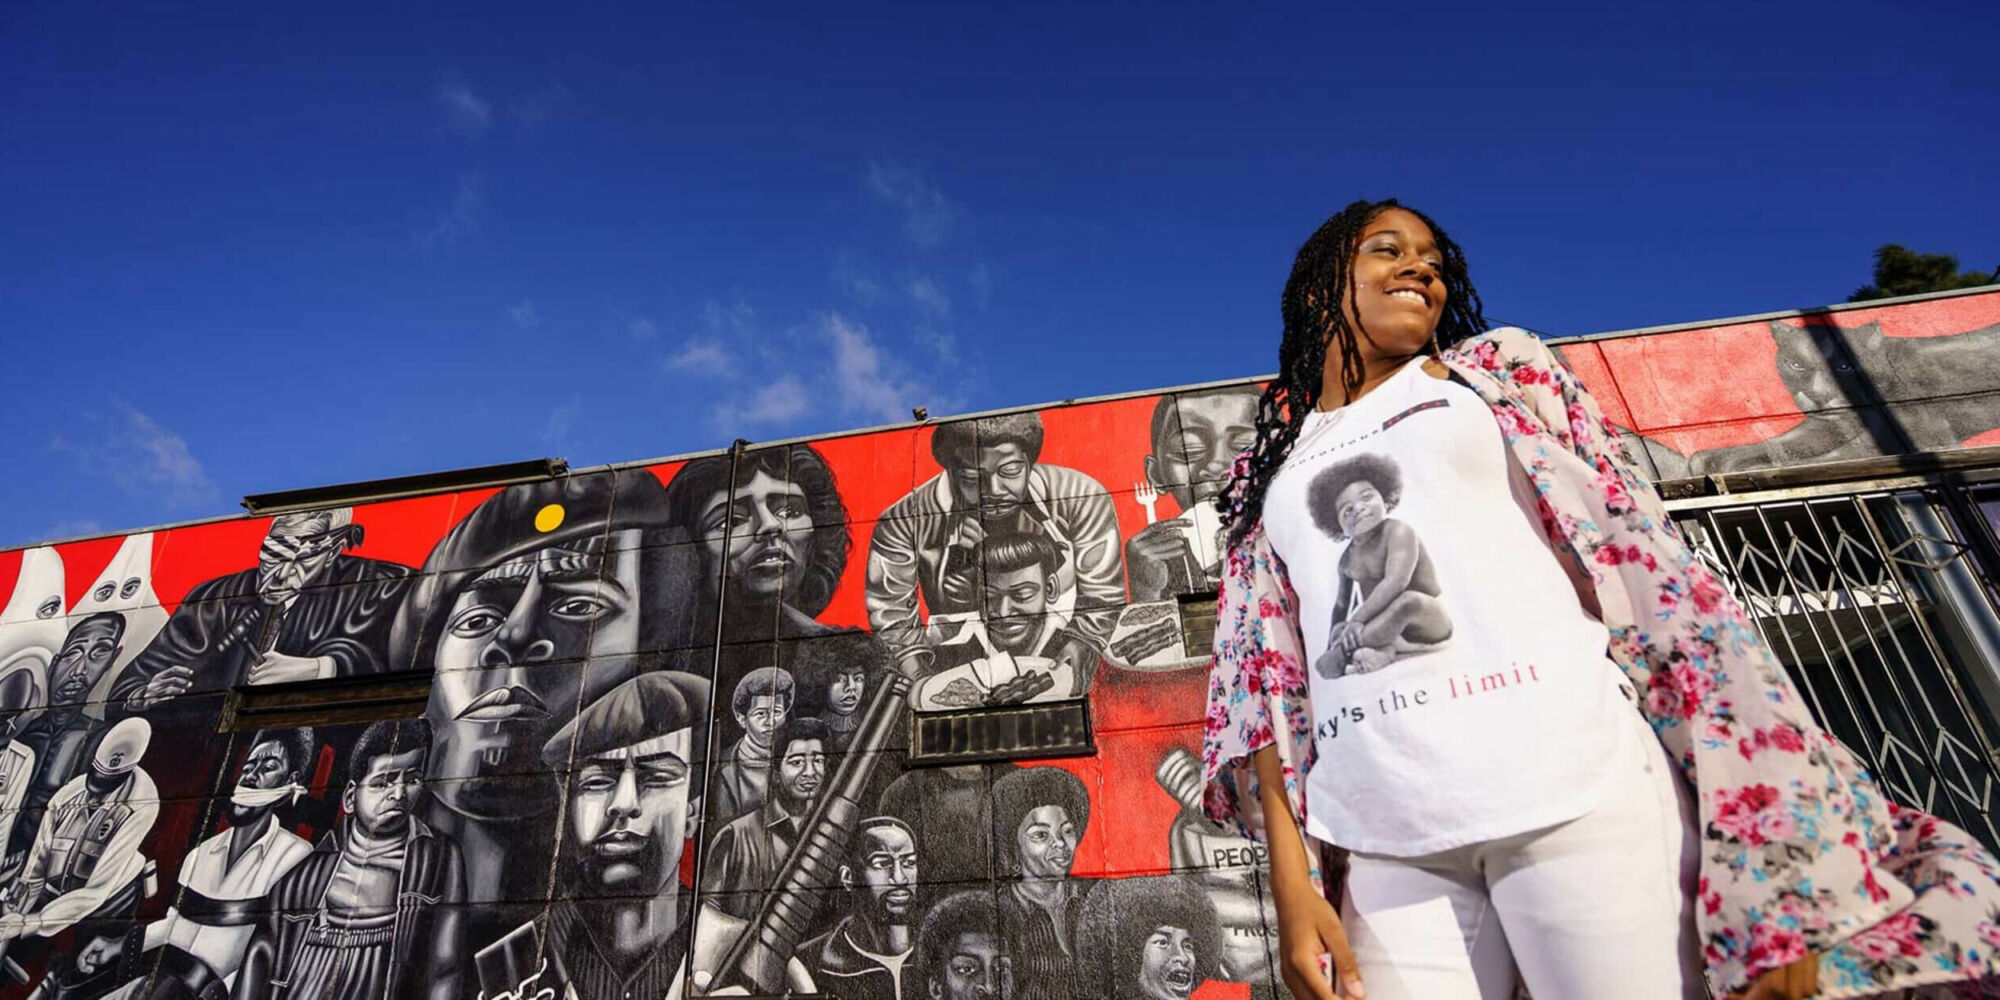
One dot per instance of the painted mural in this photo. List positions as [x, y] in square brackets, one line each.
[665, 750]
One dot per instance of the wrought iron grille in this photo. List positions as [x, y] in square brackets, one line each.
[1886, 621]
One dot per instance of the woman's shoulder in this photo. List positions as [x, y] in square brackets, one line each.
[1501, 347]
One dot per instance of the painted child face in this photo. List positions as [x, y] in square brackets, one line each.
[1361, 508]
[767, 712]
[974, 970]
[1166, 968]
[763, 537]
[1046, 842]
[381, 801]
[843, 696]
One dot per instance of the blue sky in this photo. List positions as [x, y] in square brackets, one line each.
[265, 246]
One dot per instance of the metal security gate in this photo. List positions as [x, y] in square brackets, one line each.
[1879, 604]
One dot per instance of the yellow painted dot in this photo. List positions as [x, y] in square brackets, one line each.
[549, 518]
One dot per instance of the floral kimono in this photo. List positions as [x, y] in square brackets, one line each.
[1800, 850]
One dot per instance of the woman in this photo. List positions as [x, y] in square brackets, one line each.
[1039, 816]
[1484, 602]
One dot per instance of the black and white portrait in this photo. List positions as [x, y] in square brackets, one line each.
[1388, 606]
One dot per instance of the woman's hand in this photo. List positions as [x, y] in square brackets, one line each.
[1310, 933]
[1796, 981]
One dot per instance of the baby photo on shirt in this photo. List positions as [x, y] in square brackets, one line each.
[1389, 604]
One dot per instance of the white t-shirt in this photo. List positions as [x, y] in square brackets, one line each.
[1471, 696]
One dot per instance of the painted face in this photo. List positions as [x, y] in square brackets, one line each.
[381, 801]
[1046, 842]
[629, 819]
[268, 765]
[1361, 508]
[888, 874]
[801, 769]
[1166, 968]
[843, 696]
[763, 536]
[1016, 603]
[1215, 428]
[974, 970]
[767, 712]
[294, 553]
[1000, 480]
[509, 666]
[1398, 292]
[86, 653]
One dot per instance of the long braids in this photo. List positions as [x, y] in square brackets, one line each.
[1314, 320]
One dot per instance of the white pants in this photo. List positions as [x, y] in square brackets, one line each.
[1600, 906]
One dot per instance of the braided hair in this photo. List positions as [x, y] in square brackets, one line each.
[1314, 319]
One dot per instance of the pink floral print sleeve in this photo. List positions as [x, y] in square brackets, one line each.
[1801, 852]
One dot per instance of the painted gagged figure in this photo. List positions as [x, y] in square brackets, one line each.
[307, 610]
[375, 912]
[539, 602]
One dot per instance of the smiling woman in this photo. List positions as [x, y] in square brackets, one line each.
[1427, 502]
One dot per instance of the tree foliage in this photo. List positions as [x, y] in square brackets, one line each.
[1902, 271]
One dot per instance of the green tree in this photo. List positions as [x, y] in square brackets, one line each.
[1902, 271]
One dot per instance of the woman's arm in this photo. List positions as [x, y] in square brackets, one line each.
[1309, 931]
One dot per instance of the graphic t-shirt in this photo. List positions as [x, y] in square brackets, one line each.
[1460, 692]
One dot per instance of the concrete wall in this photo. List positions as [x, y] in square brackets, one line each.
[586, 801]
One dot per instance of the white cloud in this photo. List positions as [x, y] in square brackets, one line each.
[929, 218]
[865, 382]
[704, 356]
[465, 112]
[928, 296]
[524, 316]
[641, 329]
[855, 279]
[776, 403]
[555, 435]
[141, 457]
[458, 221]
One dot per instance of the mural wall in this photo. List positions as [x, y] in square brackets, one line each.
[665, 751]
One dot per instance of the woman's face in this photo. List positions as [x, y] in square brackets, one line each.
[1398, 293]
[1046, 841]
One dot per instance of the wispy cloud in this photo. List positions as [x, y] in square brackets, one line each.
[464, 111]
[929, 297]
[866, 382]
[140, 457]
[641, 329]
[929, 218]
[855, 278]
[561, 422]
[524, 316]
[702, 356]
[458, 221]
[776, 403]
[71, 529]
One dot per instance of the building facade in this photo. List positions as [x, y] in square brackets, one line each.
[911, 712]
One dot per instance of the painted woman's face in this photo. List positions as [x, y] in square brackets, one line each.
[1361, 508]
[763, 535]
[1398, 292]
[1046, 843]
[1166, 968]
